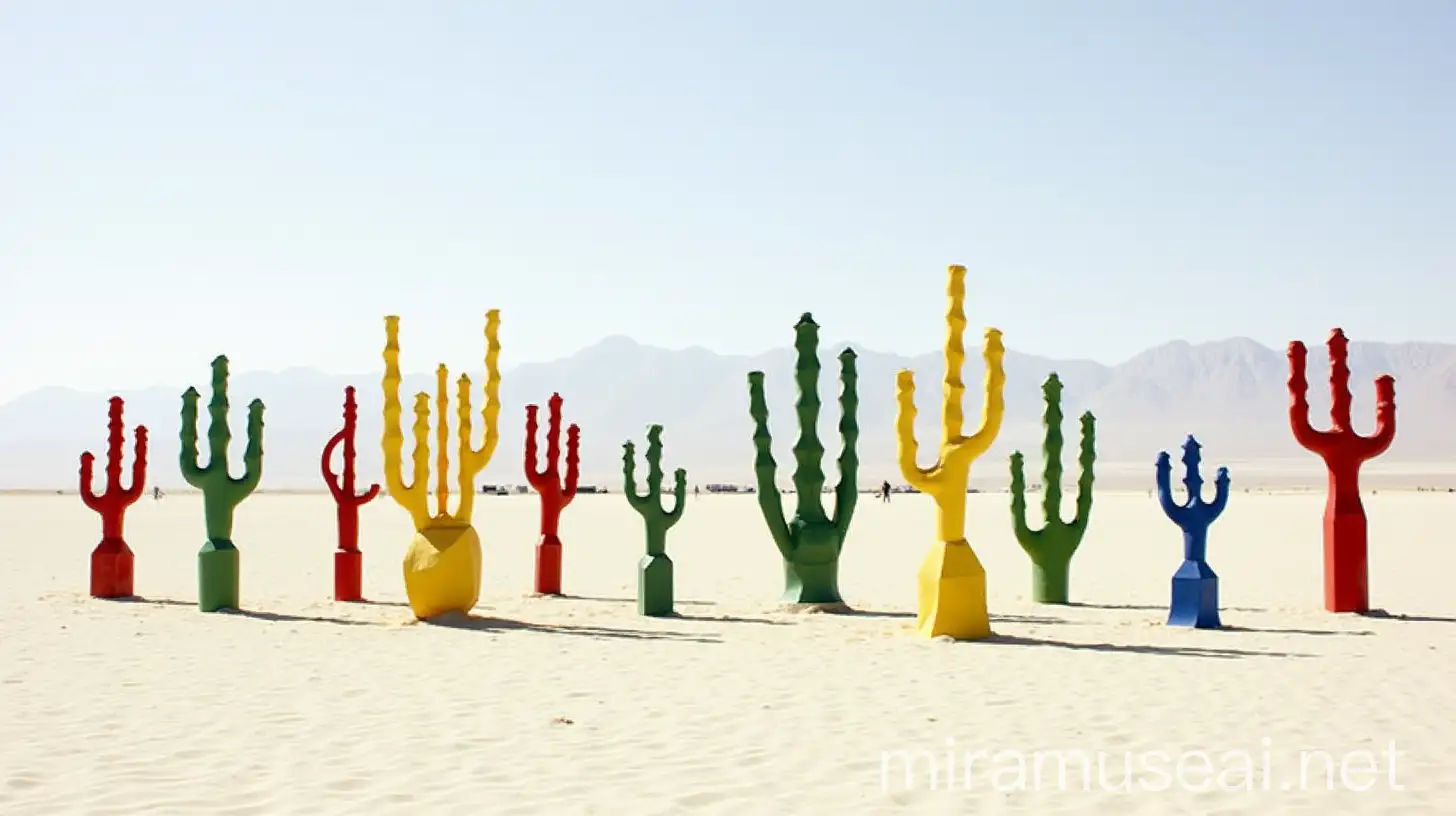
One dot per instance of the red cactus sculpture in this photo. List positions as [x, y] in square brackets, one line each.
[112, 562]
[555, 492]
[1344, 451]
[348, 561]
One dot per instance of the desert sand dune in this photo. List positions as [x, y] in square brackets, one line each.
[578, 705]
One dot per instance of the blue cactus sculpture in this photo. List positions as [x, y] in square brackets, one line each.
[1195, 586]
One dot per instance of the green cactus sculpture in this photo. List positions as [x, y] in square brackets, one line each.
[811, 541]
[217, 563]
[654, 571]
[1051, 548]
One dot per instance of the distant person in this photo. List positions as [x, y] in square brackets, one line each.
[156, 493]
[695, 491]
[885, 492]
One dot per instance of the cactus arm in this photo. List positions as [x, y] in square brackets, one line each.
[193, 473]
[115, 440]
[654, 464]
[846, 493]
[420, 459]
[253, 453]
[473, 460]
[629, 478]
[994, 408]
[470, 463]
[218, 432]
[1086, 459]
[442, 439]
[953, 389]
[770, 502]
[808, 449]
[906, 448]
[1378, 442]
[88, 494]
[1023, 531]
[1340, 397]
[1052, 442]
[534, 475]
[1304, 433]
[553, 434]
[573, 464]
[412, 497]
[1164, 480]
[326, 466]
[1220, 494]
[679, 497]
[138, 467]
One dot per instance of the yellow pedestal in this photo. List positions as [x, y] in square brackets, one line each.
[442, 571]
[953, 593]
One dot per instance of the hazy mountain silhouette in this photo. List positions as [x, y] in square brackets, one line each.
[1230, 393]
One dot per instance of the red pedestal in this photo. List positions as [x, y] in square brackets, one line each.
[348, 576]
[548, 565]
[112, 566]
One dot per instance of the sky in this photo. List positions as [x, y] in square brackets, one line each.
[270, 179]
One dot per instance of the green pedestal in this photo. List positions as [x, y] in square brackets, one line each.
[217, 576]
[654, 586]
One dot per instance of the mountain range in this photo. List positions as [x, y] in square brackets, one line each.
[1230, 393]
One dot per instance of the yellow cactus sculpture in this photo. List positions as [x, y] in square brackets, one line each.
[952, 582]
[442, 567]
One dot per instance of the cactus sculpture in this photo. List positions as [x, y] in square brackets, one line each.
[112, 561]
[1195, 586]
[348, 561]
[555, 493]
[1347, 580]
[217, 563]
[654, 571]
[811, 541]
[1051, 548]
[952, 582]
[442, 566]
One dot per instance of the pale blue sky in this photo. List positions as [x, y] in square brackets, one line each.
[1115, 175]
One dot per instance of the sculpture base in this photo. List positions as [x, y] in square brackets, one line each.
[112, 565]
[811, 583]
[548, 565]
[952, 593]
[442, 571]
[654, 586]
[217, 576]
[1195, 596]
[1347, 564]
[348, 575]
[1050, 581]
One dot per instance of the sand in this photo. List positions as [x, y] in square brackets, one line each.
[299, 705]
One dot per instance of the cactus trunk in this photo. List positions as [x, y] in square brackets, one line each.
[951, 581]
[811, 542]
[555, 491]
[654, 570]
[348, 561]
[1345, 528]
[1195, 585]
[218, 561]
[443, 563]
[1051, 548]
[112, 562]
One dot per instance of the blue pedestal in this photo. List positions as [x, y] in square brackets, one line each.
[1195, 596]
